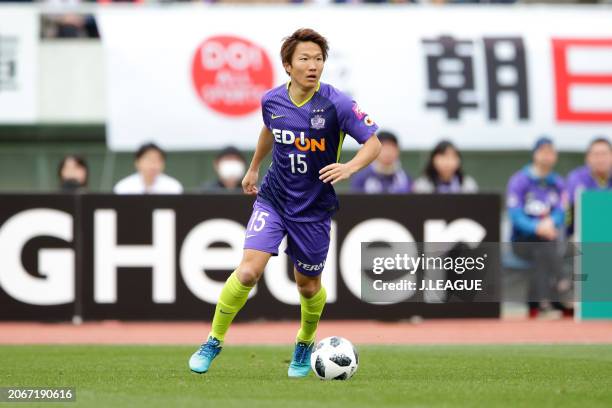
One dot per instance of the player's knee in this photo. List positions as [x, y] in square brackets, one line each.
[248, 274]
[309, 288]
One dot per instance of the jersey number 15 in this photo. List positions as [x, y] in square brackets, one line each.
[298, 163]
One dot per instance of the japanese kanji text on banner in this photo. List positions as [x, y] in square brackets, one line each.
[424, 73]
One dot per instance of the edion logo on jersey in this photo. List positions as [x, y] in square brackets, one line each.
[302, 142]
[230, 74]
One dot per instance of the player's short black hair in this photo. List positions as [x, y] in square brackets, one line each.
[230, 151]
[80, 161]
[386, 136]
[149, 146]
[597, 140]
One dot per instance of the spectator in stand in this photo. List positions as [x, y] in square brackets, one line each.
[596, 174]
[535, 201]
[67, 21]
[150, 162]
[73, 174]
[385, 174]
[443, 173]
[230, 166]
[72, 25]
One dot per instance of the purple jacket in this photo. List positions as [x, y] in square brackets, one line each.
[531, 198]
[581, 178]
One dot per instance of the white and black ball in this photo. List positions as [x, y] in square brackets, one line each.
[334, 358]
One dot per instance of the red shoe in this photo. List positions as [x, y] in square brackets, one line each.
[565, 310]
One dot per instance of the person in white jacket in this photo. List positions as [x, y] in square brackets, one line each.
[150, 162]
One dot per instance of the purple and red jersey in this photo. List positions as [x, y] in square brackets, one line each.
[307, 137]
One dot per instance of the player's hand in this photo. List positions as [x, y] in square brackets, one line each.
[335, 172]
[249, 182]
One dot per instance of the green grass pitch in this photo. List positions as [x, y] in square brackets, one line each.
[388, 376]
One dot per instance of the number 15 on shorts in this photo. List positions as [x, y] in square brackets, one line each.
[258, 222]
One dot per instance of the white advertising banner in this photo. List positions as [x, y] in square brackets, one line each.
[485, 77]
[19, 31]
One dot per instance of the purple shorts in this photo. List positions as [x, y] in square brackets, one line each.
[307, 242]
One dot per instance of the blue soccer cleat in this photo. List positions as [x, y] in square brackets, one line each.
[300, 364]
[200, 360]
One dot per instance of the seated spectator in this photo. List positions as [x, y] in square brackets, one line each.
[73, 174]
[149, 177]
[230, 166]
[444, 173]
[385, 174]
[596, 174]
[535, 201]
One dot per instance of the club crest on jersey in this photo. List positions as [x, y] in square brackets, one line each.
[368, 121]
[317, 122]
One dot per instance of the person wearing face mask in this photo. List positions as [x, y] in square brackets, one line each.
[230, 167]
[596, 174]
[73, 174]
[443, 173]
[385, 175]
[150, 162]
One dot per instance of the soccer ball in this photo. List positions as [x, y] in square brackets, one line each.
[334, 358]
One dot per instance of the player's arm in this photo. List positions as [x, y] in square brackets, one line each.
[341, 171]
[264, 146]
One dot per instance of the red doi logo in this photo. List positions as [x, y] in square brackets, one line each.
[230, 74]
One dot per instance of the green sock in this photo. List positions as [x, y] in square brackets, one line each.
[233, 296]
[311, 314]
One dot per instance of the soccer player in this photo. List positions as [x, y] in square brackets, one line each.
[304, 126]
